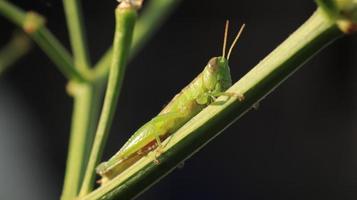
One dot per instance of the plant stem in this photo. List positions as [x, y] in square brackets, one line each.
[125, 20]
[57, 53]
[86, 101]
[86, 106]
[33, 25]
[150, 20]
[344, 12]
[75, 24]
[16, 48]
[13, 13]
[315, 34]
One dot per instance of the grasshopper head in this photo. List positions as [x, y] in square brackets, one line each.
[217, 76]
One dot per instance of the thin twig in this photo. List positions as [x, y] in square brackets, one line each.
[86, 104]
[125, 21]
[75, 24]
[33, 24]
[11, 52]
[149, 21]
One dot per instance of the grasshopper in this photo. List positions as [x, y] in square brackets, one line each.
[212, 82]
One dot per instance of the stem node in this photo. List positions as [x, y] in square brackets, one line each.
[136, 4]
[33, 22]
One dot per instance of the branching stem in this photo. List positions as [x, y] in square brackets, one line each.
[33, 24]
[125, 21]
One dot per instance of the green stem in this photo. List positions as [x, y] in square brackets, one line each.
[86, 101]
[16, 48]
[13, 13]
[33, 25]
[344, 12]
[125, 21]
[57, 53]
[75, 24]
[86, 106]
[315, 34]
[150, 20]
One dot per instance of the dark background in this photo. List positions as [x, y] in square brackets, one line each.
[300, 144]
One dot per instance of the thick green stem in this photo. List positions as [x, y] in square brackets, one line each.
[84, 118]
[75, 24]
[16, 48]
[315, 34]
[125, 21]
[150, 20]
[344, 12]
[33, 24]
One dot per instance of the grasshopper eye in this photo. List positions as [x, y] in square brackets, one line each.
[213, 64]
[213, 61]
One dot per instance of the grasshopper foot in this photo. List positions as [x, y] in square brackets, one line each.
[158, 152]
[239, 96]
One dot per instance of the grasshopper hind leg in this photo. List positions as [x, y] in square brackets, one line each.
[158, 129]
[156, 147]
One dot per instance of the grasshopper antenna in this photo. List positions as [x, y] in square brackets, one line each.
[235, 41]
[225, 39]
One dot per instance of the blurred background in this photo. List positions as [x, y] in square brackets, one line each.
[300, 143]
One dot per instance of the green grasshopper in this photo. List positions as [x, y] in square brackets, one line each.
[212, 82]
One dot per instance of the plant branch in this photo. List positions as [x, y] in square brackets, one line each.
[11, 52]
[344, 12]
[33, 24]
[86, 104]
[13, 13]
[125, 20]
[315, 34]
[75, 24]
[84, 118]
[57, 53]
[149, 21]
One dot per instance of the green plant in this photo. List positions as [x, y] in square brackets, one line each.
[87, 82]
